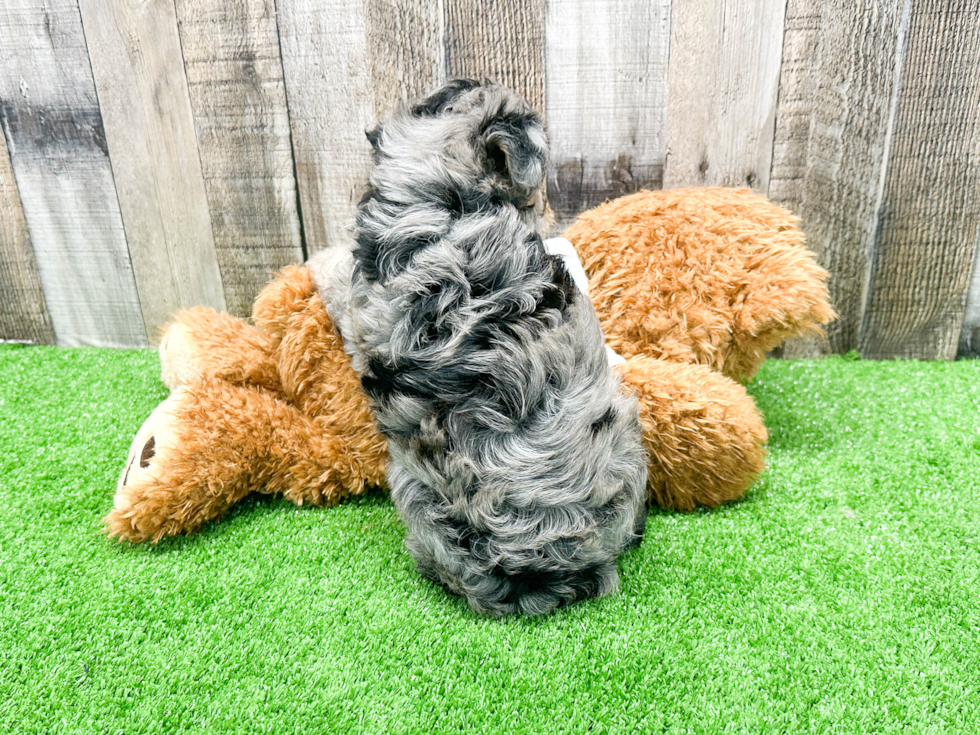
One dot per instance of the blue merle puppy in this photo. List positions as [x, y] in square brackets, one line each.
[516, 462]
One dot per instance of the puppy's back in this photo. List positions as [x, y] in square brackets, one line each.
[516, 461]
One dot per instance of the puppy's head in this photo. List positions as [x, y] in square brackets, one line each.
[475, 143]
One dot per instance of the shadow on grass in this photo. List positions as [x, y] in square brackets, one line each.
[785, 402]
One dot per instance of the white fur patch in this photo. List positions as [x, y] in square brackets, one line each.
[323, 265]
[573, 264]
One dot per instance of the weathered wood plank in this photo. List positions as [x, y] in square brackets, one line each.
[791, 138]
[23, 313]
[834, 123]
[149, 128]
[798, 78]
[501, 41]
[606, 99]
[930, 215]
[970, 334]
[50, 115]
[238, 97]
[721, 101]
[328, 89]
[405, 50]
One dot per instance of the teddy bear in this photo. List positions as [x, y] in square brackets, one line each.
[693, 288]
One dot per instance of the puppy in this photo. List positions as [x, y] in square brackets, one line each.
[516, 461]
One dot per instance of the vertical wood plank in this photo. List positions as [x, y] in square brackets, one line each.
[606, 100]
[970, 334]
[57, 147]
[405, 50]
[136, 60]
[930, 215]
[791, 138]
[798, 79]
[328, 90]
[23, 313]
[721, 101]
[841, 65]
[238, 97]
[502, 41]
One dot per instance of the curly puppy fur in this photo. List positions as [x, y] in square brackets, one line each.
[516, 460]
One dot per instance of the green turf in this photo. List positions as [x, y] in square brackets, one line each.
[840, 596]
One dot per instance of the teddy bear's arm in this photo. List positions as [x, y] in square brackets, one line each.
[211, 443]
[703, 434]
[282, 301]
[786, 297]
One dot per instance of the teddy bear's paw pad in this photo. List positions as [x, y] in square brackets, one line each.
[149, 449]
[155, 440]
[147, 454]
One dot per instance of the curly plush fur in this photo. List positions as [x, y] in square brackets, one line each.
[272, 407]
[516, 461]
[714, 277]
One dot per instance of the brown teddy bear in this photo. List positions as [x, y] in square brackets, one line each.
[693, 287]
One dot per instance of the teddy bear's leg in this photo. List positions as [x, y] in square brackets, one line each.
[201, 342]
[710, 276]
[703, 434]
[210, 444]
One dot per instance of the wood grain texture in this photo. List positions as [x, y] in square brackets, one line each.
[502, 41]
[721, 101]
[841, 64]
[798, 79]
[406, 53]
[23, 313]
[328, 89]
[139, 74]
[606, 100]
[970, 333]
[57, 147]
[238, 97]
[930, 215]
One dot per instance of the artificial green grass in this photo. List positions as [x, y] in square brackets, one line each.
[839, 596]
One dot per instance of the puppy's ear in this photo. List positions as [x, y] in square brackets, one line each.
[374, 136]
[514, 146]
[444, 96]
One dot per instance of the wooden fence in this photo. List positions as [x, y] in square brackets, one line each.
[165, 153]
